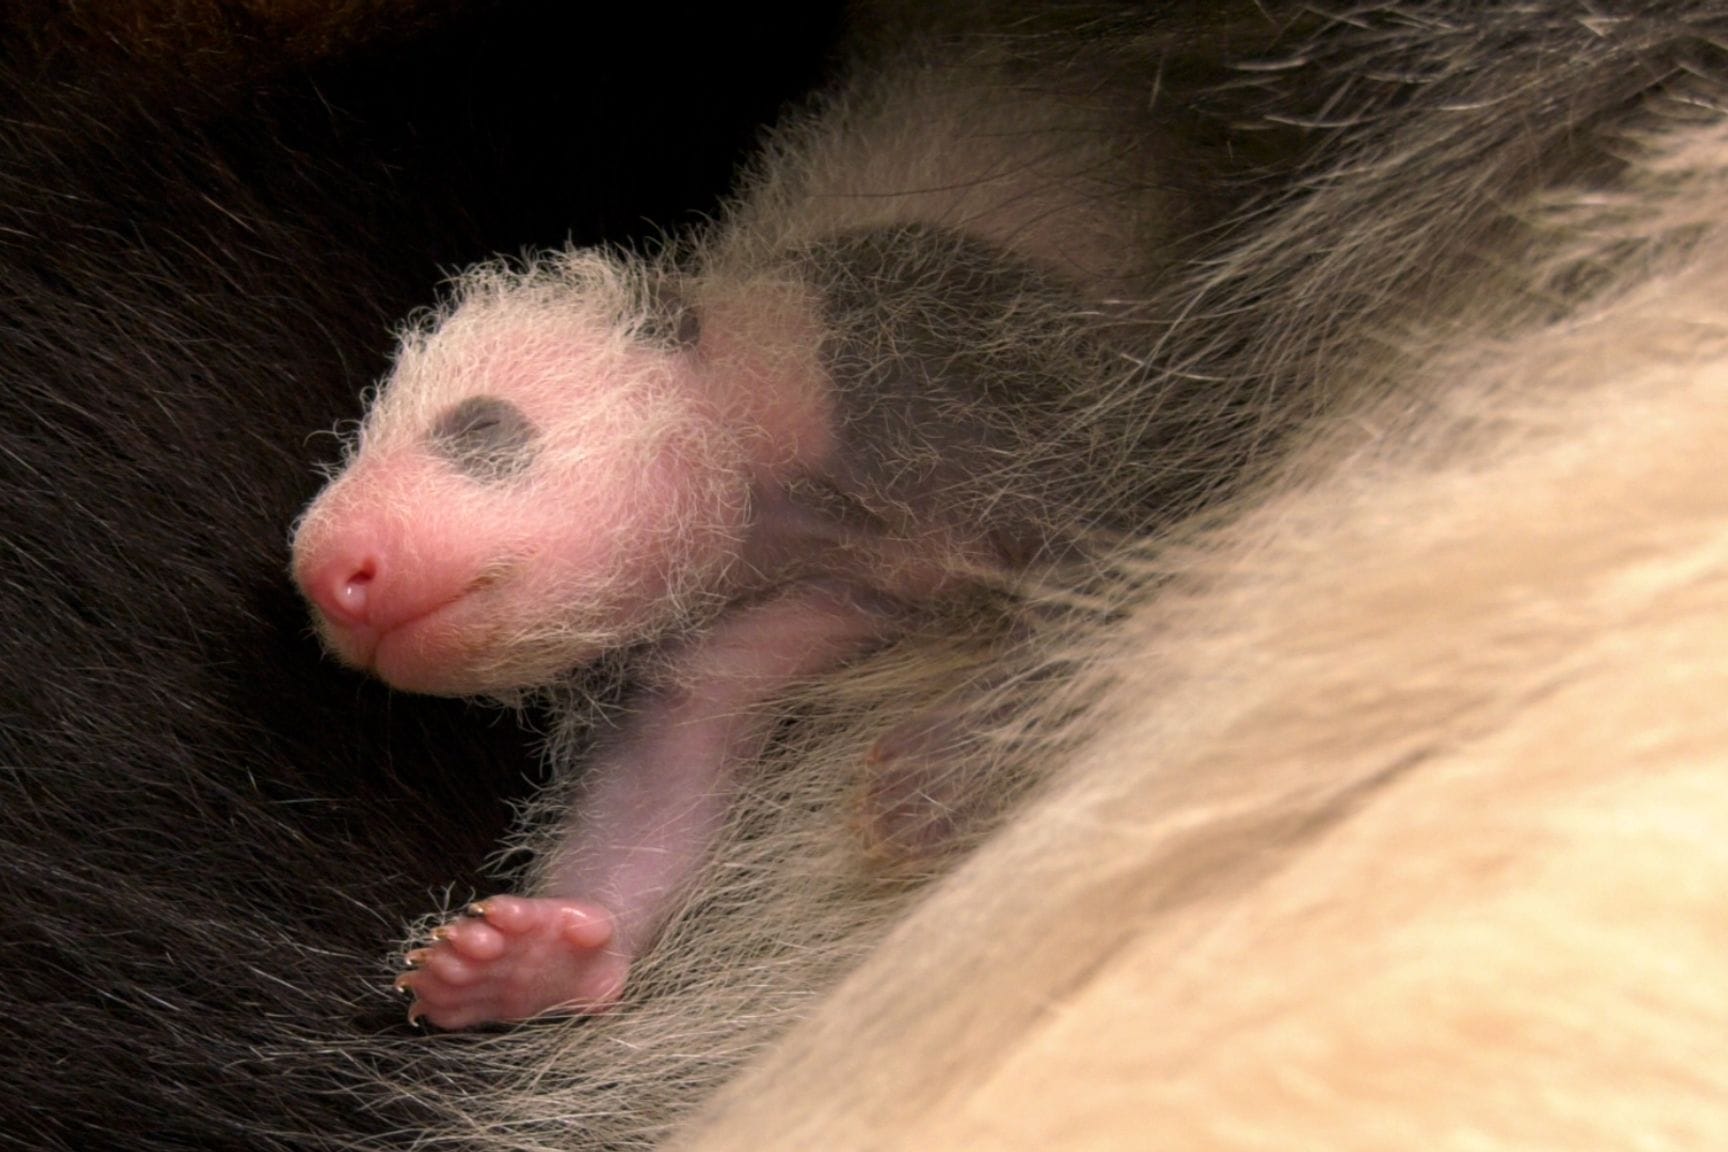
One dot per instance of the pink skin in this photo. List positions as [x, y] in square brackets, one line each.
[432, 579]
[655, 799]
[428, 578]
[511, 958]
[421, 595]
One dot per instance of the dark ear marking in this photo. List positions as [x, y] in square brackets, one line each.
[484, 437]
[671, 322]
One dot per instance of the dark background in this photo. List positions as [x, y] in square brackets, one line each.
[210, 836]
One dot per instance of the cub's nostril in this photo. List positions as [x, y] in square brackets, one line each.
[344, 590]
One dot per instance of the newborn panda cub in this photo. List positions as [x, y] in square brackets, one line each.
[741, 478]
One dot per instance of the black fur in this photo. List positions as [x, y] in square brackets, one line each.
[210, 838]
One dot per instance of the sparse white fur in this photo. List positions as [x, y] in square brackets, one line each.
[1051, 166]
[558, 324]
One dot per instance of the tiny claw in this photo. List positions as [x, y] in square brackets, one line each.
[402, 985]
[417, 957]
[442, 932]
[414, 1014]
[478, 908]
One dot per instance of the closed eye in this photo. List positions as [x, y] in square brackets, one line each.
[484, 437]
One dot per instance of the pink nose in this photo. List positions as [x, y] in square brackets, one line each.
[340, 586]
[364, 582]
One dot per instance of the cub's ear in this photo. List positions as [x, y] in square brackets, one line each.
[669, 320]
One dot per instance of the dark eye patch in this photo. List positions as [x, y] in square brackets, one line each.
[484, 437]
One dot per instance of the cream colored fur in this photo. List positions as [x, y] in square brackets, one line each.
[1410, 827]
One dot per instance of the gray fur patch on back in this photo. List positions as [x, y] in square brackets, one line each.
[952, 360]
